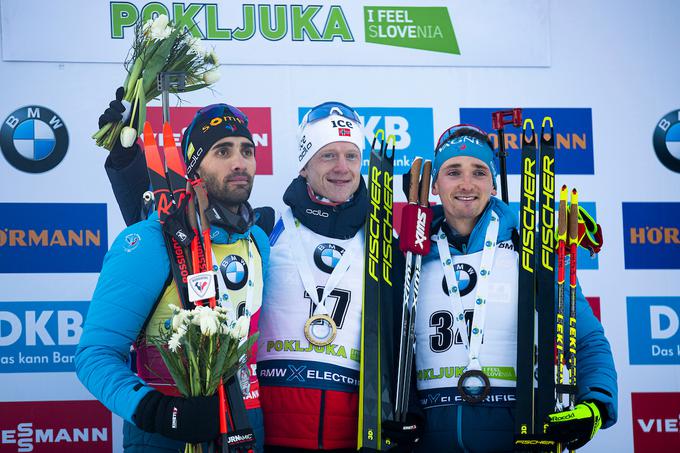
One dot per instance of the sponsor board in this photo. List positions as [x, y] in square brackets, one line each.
[412, 128]
[573, 136]
[259, 124]
[344, 32]
[653, 330]
[651, 235]
[52, 237]
[55, 427]
[40, 336]
[33, 139]
[594, 303]
[656, 422]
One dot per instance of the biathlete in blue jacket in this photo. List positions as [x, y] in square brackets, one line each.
[468, 220]
[132, 297]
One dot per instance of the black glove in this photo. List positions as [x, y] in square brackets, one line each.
[193, 419]
[117, 111]
[404, 434]
[576, 427]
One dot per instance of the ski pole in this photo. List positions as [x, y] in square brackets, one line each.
[559, 327]
[412, 201]
[415, 241]
[202, 197]
[499, 120]
[573, 246]
[165, 81]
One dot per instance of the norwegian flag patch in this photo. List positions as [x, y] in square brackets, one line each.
[344, 132]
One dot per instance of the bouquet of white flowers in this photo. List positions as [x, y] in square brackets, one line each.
[202, 346]
[158, 46]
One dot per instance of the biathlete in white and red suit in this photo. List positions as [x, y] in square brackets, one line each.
[310, 326]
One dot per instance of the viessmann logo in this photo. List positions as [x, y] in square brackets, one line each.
[656, 421]
[415, 27]
[55, 426]
[52, 237]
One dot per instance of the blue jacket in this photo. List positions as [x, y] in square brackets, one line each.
[134, 274]
[477, 428]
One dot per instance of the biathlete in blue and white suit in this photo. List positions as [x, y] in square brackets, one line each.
[310, 328]
[133, 294]
[470, 216]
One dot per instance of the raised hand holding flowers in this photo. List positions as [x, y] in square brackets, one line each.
[159, 46]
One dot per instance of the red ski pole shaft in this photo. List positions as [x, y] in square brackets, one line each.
[202, 197]
[561, 257]
[573, 246]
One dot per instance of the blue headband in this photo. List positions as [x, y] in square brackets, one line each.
[464, 146]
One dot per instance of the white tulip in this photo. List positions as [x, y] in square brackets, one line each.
[209, 323]
[174, 343]
[180, 319]
[211, 58]
[159, 28]
[128, 136]
[241, 328]
[196, 47]
[161, 21]
[211, 76]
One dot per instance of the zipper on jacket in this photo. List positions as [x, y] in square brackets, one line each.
[322, 409]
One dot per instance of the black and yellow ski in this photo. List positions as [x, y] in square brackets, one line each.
[375, 400]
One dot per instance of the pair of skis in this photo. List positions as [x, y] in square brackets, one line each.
[414, 240]
[375, 399]
[174, 202]
[536, 299]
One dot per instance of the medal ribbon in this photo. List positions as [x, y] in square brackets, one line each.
[474, 343]
[302, 264]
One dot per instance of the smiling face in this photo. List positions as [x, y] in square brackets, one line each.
[464, 185]
[334, 171]
[228, 169]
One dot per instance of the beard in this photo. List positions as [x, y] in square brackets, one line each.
[219, 190]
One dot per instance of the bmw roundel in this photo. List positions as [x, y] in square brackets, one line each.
[667, 140]
[235, 272]
[467, 279]
[327, 256]
[33, 139]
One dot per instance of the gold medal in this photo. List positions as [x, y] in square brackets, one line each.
[320, 330]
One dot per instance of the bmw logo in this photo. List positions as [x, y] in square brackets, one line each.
[33, 139]
[327, 256]
[667, 140]
[467, 279]
[235, 272]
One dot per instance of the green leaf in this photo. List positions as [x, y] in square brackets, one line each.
[158, 60]
[198, 86]
[142, 109]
